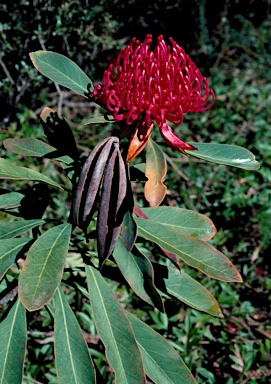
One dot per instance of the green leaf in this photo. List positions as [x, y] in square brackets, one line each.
[9, 249]
[184, 220]
[28, 147]
[14, 172]
[225, 154]
[100, 120]
[73, 362]
[43, 267]
[140, 167]
[115, 331]
[34, 147]
[10, 200]
[128, 231]
[137, 271]
[194, 252]
[13, 344]
[184, 288]
[161, 362]
[156, 169]
[66, 160]
[61, 70]
[15, 228]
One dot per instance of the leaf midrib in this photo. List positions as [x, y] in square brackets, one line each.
[9, 339]
[141, 273]
[46, 260]
[107, 318]
[67, 336]
[13, 249]
[177, 252]
[21, 229]
[36, 175]
[61, 73]
[157, 181]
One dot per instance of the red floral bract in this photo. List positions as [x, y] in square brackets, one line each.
[157, 85]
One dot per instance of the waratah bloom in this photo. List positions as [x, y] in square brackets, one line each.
[144, 85]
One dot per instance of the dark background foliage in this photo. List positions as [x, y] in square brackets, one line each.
[90, 32]
[230, 42]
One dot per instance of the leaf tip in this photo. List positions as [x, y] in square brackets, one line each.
[257, 165]
[46, 113]
[6, 142]
[33, 56]
[218, 312]
[239, 278]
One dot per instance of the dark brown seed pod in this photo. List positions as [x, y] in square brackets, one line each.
[103, 176]
[106, 214]
[96, 179]
[111, 208]
[121, 207]
[90, 179]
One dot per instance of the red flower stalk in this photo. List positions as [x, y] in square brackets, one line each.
[157, 85]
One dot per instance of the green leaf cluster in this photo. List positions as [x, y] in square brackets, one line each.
[133, 349]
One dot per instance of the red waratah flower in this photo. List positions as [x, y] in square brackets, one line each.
[143, 86]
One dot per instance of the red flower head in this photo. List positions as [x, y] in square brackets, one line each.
[144, 85]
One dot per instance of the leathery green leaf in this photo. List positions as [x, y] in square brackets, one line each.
[73, 362]
[156, 169]
[9, 249]
[128, 231]
[161, 362]
[34, 147]
[62, 70]
[137, 271]
[15, 172]
[184, 220]
[28, 147]
[13, 343]
[43, 267]
[10, 200]
[194, 252]
[104, 119]
[225, 154]
[15, 228]
[115, 331]
[184, 288]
